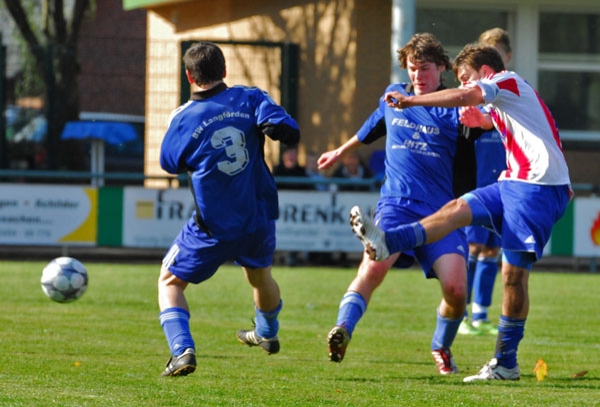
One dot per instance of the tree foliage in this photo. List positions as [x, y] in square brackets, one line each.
[53, 46]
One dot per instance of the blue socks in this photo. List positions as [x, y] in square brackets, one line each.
[267, 324]
[471, 264]
[445, 332]
[510, 333]
[352, 308]
[175, 323]
[405, 237]
[485, 277]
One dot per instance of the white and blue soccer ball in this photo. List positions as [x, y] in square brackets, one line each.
[64, 279]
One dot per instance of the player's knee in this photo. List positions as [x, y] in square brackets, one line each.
[490, 253]
[459, 293]
[166, 279]
[259, 277]
[475, 249]
[373, 273]
[455, 293]
[458, 212]
[514, 277]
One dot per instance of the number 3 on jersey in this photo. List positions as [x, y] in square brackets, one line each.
[234, 143]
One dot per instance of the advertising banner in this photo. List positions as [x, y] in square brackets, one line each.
[48, 215]
[152, 218]
[319, 221]
[308, 221]
[587, 227]
[313, 221]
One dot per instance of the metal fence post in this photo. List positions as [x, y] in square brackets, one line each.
[3, 163]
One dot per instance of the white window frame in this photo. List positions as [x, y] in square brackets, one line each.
[524, 30]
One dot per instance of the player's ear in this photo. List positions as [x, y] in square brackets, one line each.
[486, 71]
[224, 72]
[188, 74]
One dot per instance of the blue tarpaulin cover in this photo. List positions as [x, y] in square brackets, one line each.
[99, 133]
[110, 132]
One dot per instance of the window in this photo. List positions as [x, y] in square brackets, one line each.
[569, 72]
[457, 27]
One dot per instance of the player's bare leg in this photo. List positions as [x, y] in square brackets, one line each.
[170, 291]
[267, 301]
[453, 215]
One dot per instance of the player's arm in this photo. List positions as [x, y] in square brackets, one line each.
[171, 158]
[273, 120]
[372, 129]
[329, 158]
[471, 96]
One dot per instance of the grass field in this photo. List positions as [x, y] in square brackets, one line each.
[107, 349]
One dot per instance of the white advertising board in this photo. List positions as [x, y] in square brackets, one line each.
[48, 215]
[318, 221]
[587, 227]
[152, 218]
[308, 221]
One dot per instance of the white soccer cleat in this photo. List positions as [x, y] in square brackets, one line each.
[372, 238]
[493, 371]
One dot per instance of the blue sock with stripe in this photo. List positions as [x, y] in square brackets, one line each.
[352, 308]
[485, 277]
[405, 237]
[175, 323]
[445, 332]
[510, 333]
[267, 324]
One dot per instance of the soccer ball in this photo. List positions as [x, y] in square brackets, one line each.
[64, 279]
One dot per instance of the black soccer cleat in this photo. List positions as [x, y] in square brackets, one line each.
[338, 340]
[250, 338]
[181, 365]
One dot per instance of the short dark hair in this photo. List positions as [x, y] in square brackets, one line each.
[476, 56]
[424, 47]
[205, 62]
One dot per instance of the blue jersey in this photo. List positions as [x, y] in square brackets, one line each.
[490, 157]
[218, 138]
[420, 148]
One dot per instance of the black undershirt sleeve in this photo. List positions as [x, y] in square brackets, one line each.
[376, 132]
[281, 132]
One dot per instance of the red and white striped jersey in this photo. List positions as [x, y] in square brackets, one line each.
[529, 132]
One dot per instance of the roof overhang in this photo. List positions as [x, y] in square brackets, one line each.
[133, 4]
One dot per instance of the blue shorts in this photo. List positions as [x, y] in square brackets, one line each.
[523, 214]
[481, 235]
[195, 256]
[394, 212]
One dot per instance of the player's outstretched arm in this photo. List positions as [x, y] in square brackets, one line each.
[471, 96]
[329, 158]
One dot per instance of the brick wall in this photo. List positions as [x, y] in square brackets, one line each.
[112, 53]
[330, 106]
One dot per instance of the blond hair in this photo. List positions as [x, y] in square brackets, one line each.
[497, 38]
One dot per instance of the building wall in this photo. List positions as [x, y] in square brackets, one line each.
[112, 51]
[345, 52]
[344, 59]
